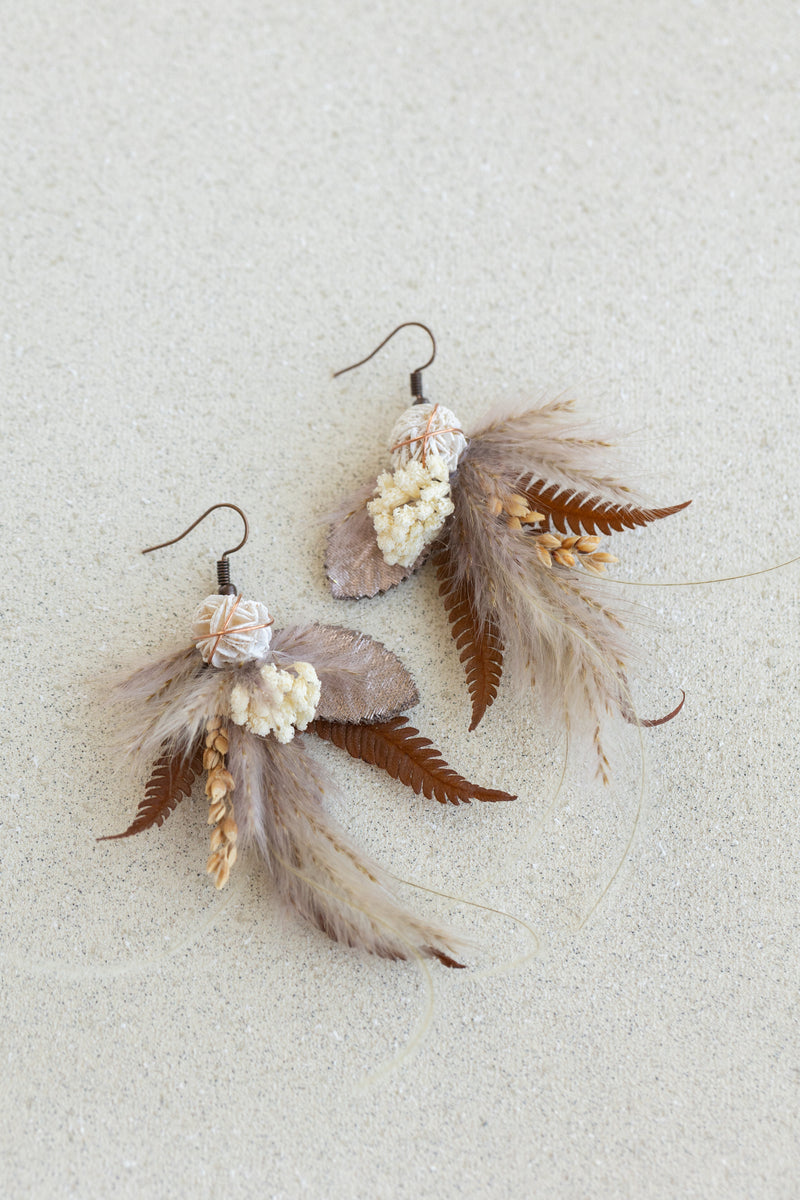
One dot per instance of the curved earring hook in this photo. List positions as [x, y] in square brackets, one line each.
[223, 568]
[181, 536]
[416, 375]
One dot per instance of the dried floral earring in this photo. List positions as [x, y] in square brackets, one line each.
[234, 703]
[511, 516]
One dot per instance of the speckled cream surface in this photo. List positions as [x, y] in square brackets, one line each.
[206, 209]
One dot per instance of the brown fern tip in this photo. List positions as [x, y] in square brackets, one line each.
[171, 780]
[580, 513]
[399, 749]
[478, 641]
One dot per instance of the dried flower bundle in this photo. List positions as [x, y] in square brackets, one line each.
[518, 558]
[234, 705]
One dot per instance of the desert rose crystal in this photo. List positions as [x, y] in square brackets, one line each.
[229, 630]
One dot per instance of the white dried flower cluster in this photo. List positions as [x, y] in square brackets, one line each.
[411, 507]
[282, 702]
[229, 630]
[425, 430]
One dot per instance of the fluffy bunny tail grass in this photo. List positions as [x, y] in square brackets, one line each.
[278, 799]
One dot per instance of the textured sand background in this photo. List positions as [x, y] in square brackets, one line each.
[208, 208]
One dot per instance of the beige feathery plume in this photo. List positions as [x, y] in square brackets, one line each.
[278, 800]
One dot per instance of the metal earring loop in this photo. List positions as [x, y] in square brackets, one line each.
[416, 375]
[226, 588]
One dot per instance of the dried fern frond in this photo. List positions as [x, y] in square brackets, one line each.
[478, 638]
[171, 780]
[579, 513]
[399, 749]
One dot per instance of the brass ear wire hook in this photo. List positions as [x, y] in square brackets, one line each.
[416, 375]
[226, 588]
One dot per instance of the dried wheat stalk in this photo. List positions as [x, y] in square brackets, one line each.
[219, 785]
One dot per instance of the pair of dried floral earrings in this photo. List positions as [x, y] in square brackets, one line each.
[510, 516]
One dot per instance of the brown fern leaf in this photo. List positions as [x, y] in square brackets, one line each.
[579, 512]
[400, 750]
[171, 780]
[479, 643]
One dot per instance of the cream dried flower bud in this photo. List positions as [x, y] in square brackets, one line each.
[279, 703]
[229, 630]
[410, 509]
[425, 430]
